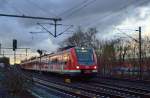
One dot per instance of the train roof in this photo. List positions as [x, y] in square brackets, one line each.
[65, 48]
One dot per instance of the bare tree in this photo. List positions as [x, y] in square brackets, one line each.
[114, 53]
[81, 38]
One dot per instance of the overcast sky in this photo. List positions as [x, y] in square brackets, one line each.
[105, 15]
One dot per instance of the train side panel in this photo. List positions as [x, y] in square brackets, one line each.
[65, 62]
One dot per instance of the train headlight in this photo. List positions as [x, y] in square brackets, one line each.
[77, 67]
[95, 67]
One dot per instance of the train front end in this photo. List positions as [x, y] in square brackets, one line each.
[85, 61]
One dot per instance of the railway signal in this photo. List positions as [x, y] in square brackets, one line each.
[14, 49]
[14, 44]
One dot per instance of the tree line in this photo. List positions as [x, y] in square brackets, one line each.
[111, 54]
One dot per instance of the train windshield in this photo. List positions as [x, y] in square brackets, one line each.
[85, 56]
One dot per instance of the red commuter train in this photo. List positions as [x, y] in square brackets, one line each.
[75, 61]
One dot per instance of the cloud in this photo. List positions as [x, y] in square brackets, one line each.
[103, 14]
[139, 17]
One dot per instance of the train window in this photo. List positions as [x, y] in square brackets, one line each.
[54, 61]
[85, 56]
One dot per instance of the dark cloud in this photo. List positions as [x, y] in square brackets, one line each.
[102, 14]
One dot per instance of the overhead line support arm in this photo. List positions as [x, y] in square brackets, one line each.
[31, 17]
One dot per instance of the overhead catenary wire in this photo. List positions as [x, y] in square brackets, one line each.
[16, 9]
[65, 30]
[127, 35]
[45, 28]
[54, 35]
[69, 26]
[106, 16]
[73, 8]
[80, 8]
[41, 8]
[76, 8]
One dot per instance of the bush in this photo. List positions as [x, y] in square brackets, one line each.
[15, 82]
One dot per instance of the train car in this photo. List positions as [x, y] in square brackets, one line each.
[75, 61]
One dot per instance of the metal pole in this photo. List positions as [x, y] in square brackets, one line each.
[31, 17]
[3, 53]
[0, 48]
[140, 53]
[55, 23]
[14, 57]
[40, 65]
[26, 53]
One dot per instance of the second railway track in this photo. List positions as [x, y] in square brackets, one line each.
[89, 89]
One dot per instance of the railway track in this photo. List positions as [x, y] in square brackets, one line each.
[111, 90]
[121, 91]
[97, 91]
[62, 90]
[91, 89]
[72, 90]
[138, 89]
